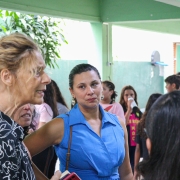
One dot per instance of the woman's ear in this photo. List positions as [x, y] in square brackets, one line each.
[111, 92]
[6, 77]
[173, 85]
[148, 145]
[71, 91]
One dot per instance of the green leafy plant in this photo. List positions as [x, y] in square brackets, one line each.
[46, 31]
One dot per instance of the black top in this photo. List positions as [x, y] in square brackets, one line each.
[14, 160]
[142, 144]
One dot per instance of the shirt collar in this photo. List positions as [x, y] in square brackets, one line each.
[77, 117]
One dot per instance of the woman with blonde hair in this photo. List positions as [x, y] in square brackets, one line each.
[22, 81]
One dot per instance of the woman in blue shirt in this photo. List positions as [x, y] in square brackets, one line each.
[99, 148]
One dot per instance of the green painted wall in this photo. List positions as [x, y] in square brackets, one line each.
[61, 76]
[136, 10]
[97, 10]
[168, 26]
[96, 46]
[141, 75]
[115, 11]
[178, 58]
[74, 9]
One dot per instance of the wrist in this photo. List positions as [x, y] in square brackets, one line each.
[129, 110]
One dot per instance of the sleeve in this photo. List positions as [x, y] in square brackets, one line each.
[46, 113]
[62, 109]
[8, 159]
[119, 111]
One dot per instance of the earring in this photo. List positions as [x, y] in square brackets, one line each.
[73, 101]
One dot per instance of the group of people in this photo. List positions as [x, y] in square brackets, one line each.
[134, 118]
[96, 139]
[32, 117]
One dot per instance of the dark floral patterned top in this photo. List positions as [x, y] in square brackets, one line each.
[14, 161]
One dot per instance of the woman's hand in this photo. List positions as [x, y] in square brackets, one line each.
[136, 175]
[129, 110]
[129, 104]
[56, 176]
[30, 131]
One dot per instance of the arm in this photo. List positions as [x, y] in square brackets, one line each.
[118, 110]
[41, 124]
[125, 171]
[49, 134]
[40, 176]
[136, 161]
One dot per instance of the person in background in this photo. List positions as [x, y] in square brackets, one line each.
[163, 143]
[108, 100]
[172, 83]
[61, 104]
[62, 109]
[132, 116]
[46, 160]
[99, 148]
[22, 81]
[24, 117]
[141, 149]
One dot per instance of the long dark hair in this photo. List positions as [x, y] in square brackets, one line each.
[121, 101]
[59, 97]
[162, 126]
[111, 87]
[141, 124]
[50, 98]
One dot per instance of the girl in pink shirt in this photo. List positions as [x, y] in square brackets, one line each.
[108, 100]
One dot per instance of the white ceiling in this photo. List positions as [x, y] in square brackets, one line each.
[170, 2]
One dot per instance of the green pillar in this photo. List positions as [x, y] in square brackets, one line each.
[96, 46]
[102, 34]
[107, 52]
[178, 58]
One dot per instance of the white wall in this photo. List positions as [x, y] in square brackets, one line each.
[82, 44]
[138, 45]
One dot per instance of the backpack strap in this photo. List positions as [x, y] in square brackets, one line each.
[69, 147]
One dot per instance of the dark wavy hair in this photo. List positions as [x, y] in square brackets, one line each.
[141, 124]
[162, 126]
[111, 87]
[50, 98]
[59, 97]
